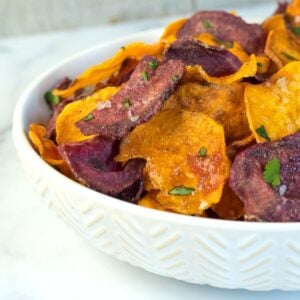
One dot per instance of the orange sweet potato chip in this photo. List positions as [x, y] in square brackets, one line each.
[47, 149]
[230, 206]
[293, 8]
[66, 131]
[149, 201]
[222, 102]
[274, 22]
[248, 69]
[236, 49]
[104, 70]
[281, 48]
[169, 34]
[186, 159]
[273, 108]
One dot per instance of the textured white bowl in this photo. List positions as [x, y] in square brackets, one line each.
[256, 256]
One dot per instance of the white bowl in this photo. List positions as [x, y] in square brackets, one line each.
[228, 254]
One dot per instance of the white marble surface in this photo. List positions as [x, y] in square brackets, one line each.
[40, 258]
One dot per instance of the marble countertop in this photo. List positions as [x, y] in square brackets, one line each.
[41, 258]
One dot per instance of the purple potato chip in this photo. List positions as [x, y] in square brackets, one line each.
[281, 7]
[215, 61]
[263, 202]
[141, 97]
[226, 27]
[92, 163]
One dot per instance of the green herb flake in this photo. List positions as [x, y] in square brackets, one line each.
[181, 191]
[226, 44]
[259, 64]
[175, 78]
[145, 75]
[123, 48]
[88, 117]
[202, 152]
[207, 25]
[271, 172]
[51, 99]
[288, 56]
[127, 103]
[153, 64]
[261, 131]
[296, 30]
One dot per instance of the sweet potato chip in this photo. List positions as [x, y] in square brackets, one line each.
[47, 149]
[293, 8]
[236, 49]
[105, 69]
[169, 34]
[230, 206]
[248, 69]
[66, 131]
[186, 159]
[273, 108]
[222, 102]
[274, 22]
[281, 48]
[149, 201]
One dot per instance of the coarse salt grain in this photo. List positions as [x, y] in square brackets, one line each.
[102, 105]
[282, 84]
[134, 118]
[282, 189]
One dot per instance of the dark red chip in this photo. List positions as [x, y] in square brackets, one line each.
[226, 27]
[263, 202]
[92, 163]
[215, 61]
[281, 7]
[140, 98]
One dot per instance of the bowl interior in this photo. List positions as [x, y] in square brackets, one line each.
[32, 108]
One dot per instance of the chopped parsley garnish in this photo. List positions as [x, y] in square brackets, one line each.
[127, 103]
[207, 25]
[88, 117]
[145, 75]
[175, 78]
[259, 64]
[261, 131]
[272, 172]
[296, 30]
[181, 191]
[51, 99]
[288, 56]
[202, 152]
[153, 64]
[226, 44]
[123, 48]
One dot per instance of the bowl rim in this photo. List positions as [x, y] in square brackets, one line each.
[21, 142]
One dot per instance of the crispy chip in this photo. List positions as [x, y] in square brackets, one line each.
[281, 48]
[66, 131]
[104, 70]
[170, 142]
[274, 106]
[236, 49]
[222, 102]
[274, 22]
[236, 146]
[169, 34]
[47, 149]
[293, 8]
[149, 201]
[230, 206]
[248, 69]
